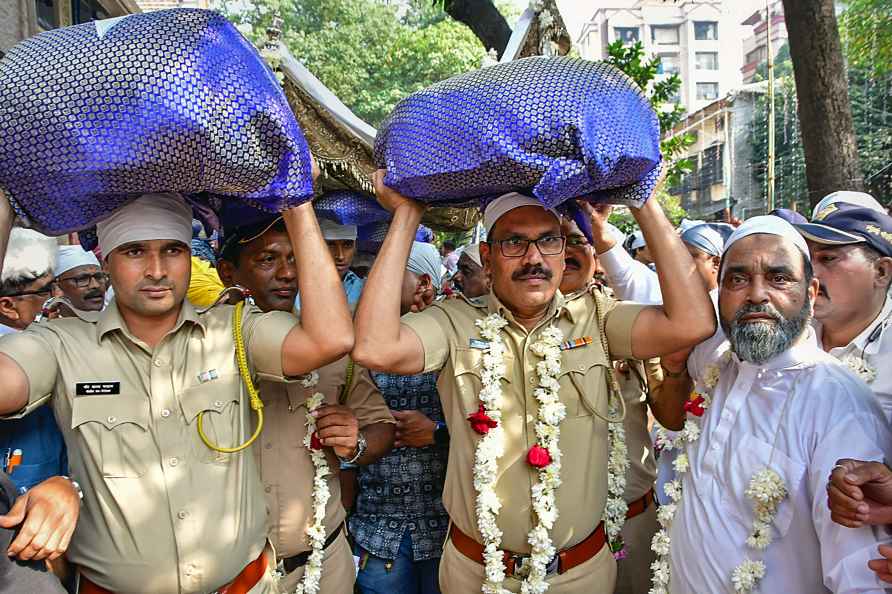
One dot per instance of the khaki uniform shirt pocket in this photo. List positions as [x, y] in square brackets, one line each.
[468, 366]
[583, 381]
[219, 404]
[115, 432]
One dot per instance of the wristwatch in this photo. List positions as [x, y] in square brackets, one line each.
[441, 434]
[361, 446]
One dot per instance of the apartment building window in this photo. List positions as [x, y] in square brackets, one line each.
[84, 11]
[707, 91]
[707, 60]
[706, 30]
[626, 34]
[669, 64]
[47, 16]
[664, 34]
[758, 55]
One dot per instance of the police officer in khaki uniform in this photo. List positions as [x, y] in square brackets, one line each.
[524, 255]
[163, 512]
[355, 423]
[638, 381]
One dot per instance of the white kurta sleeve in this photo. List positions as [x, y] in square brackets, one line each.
[630, 279]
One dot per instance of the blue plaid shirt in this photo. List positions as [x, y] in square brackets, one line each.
[404, 490]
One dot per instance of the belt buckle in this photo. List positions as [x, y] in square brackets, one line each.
[522, 566]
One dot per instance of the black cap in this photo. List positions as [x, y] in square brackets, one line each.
[847, 225]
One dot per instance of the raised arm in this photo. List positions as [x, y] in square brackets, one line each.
[325, 332]
[687, 316]
[382, 343]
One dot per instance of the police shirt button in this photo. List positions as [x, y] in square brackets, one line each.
[112, 419]
[582, 368]
[182, 514]
[533, 381]
[174, 461]
[268, 489]
[218, 403]
[165, 413]
[158, 362]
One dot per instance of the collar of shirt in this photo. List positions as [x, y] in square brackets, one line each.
[860, 342]
[110, 319]
[352, 286]
[557, 307]
[802, 352]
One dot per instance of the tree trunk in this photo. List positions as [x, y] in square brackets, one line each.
[825, 114]
[484, 19]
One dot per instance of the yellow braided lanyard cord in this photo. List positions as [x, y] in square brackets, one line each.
[253, 394]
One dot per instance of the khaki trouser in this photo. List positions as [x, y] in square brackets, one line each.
[460, 575]
[338, 571]
[633, 572]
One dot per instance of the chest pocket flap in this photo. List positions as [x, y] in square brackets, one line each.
[215, 396]
[583, 380]
[115, 431]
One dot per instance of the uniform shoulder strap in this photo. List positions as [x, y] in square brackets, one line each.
[348, 381]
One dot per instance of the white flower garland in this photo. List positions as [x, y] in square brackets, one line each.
[766, 490]
[616, 507]
[321, 494]
[861, 368]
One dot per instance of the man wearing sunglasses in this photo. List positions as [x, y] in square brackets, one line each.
[80, 278]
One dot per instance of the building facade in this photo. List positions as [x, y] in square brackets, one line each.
[696, 39]
[150, 5]
[20, 19]
[755, 47]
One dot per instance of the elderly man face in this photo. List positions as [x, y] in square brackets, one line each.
[850, 277]
[471, 278]
[150, 277]
[767, 291]
[84, 286]
[580, 262]
[525, 275]
[19, 308]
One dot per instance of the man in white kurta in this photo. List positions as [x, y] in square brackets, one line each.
[796, 412]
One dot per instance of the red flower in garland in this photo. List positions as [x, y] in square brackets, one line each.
[695, 406]
[315, 442]
[481, 422]
[538, 457]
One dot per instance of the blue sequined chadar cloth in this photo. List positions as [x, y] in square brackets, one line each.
[94, 115]
[347, 207]
[556, 128]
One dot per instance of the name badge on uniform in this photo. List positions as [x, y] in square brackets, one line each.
[476, 343]
[207, 376]
[577, 343]
[97, 388]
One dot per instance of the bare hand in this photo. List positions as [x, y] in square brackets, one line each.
[413, 429]
[389, 198]
[47, 514]
[883, 567]
[599, 213]
[337, 428]
[860, 493]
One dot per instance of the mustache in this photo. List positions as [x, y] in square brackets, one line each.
[158, 284]
[571, 261]
[532, 271]
[766, 308]
[822, 292]
[94, 294]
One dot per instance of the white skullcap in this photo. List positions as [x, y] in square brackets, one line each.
[29, 255]
[508, 202]
[473, 252]
[72, 256]
[859, 199]
[149, 217]
[425, 259]
[686, 224]
[768, 225]
[617, 235]
[637, 241]
[704, 238]
[332, 231]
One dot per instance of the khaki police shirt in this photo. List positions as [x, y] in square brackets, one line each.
[633, 382]
[285, 465]
[446, 330]
[161, 513]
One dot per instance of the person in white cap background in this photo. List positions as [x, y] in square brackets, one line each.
[341, 241]
[491, 490]
[639, 249]
[399, 523]
[80, 278]
[772, 415]
[470, 278]
[149, 394]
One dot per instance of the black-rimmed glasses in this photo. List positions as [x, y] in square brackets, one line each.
[83, 280]
[517, 247]
[47, 290]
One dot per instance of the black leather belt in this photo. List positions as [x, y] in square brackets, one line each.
[299, 560]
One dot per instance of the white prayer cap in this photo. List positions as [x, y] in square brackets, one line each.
[332, 231]
[687, 224]
[29, 255]
[425, 259]
[149, 217]
[71, 256]
[618, 236]
[637, 241]
[704, 238]
[508, 202]
[473, 252]
[859, 199]
[768, 225]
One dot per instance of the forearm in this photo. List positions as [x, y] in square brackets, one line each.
[630, 279]
[325, 317]
[379, 439]
[378, 313]
[688, 310]
[667, 401]
[14, 395]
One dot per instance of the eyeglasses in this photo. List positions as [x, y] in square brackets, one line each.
[83, 280]
[47, 290]
[577, 241]
[517, 247]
